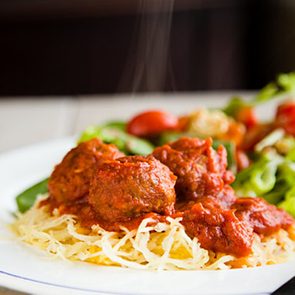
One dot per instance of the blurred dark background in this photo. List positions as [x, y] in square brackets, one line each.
[56, 47]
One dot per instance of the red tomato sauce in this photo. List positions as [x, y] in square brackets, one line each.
[185, 179]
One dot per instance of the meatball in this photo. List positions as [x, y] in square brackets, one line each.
[200, 170]
[70, 179]
[218, 229]
[226, 197]
[263, 217]
[130, 187]
[224, 200]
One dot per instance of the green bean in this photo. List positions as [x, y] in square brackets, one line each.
[27, 198]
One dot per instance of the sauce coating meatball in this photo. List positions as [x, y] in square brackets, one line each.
[200, 170]
[262, 216]
[231, 230]
[71, 178]
[131, 186]
[218, 229]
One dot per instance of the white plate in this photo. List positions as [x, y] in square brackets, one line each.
[27, 269]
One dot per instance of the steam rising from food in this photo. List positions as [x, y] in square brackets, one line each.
[147, 67]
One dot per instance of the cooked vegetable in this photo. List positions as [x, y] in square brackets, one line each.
[234, 106]
[259, 178]
[27, 198]
[127, 143]
[170, 136]
[287, 171]
[277, 194]
[272, 177]
[116, 124]
[289, 203]
[152, 123]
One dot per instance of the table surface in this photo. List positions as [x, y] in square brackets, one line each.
[25, 121]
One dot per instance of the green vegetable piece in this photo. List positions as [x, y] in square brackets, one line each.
[290, 193]
[116, 124]
[234, 105]
[260, 177]
[287, 81]
[278, 193]
[287, 172]
[89, 133]
[291, 155]
[266, 93]
[114, 136]
[27, 198]
[170, 136]
[125, 142]
[263, 180]
[136, 146]
[273, 197]
[288, 205]
[284, 84]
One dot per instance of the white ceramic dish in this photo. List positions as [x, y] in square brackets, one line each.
[27, 269]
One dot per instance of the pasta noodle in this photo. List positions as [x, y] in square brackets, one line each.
[161, 246]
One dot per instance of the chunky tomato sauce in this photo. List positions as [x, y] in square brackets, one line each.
[186, 178]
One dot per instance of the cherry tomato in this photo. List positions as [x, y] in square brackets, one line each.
[285, 117]
[247, 116]
[152, 123]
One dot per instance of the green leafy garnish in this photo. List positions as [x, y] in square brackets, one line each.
[284, 84]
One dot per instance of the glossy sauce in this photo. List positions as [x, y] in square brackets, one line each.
[124, 191]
